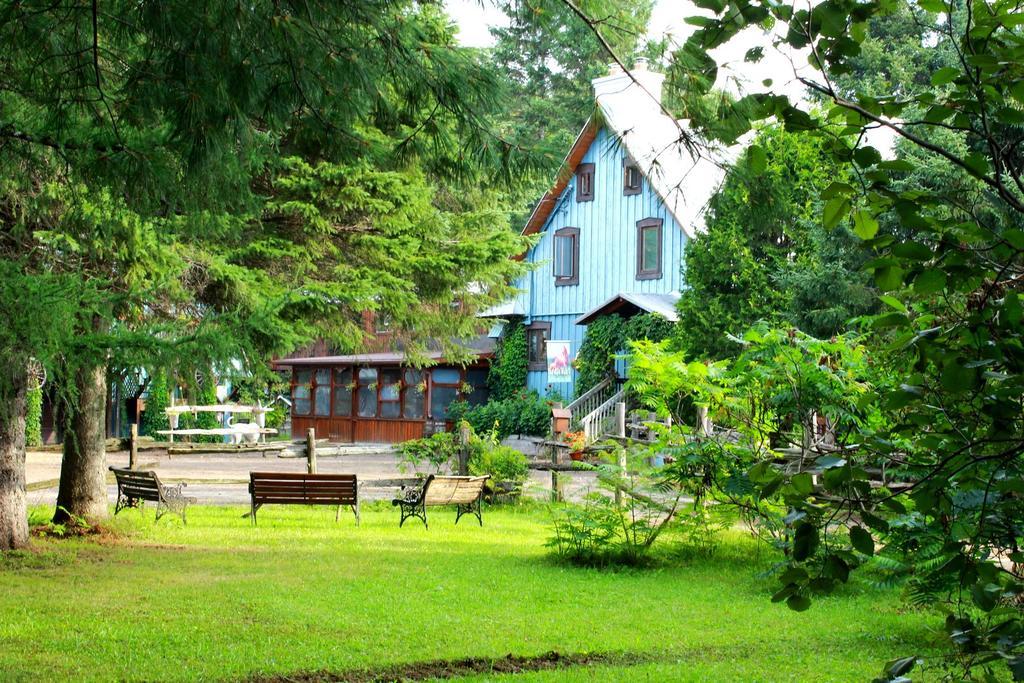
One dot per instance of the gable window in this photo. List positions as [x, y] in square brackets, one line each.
[566, 257]
[648, 249]
[631, 179]
[585, 183]
[536, 343]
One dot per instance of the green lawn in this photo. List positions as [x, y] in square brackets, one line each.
[222, 600]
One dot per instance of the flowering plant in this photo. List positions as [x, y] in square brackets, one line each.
[577, 440]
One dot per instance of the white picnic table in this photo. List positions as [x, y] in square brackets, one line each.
[251, 432]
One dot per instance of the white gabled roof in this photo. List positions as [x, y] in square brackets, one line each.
[662, 304]
[685, 180]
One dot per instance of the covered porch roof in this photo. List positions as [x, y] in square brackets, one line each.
[481, 347]
[632, 303]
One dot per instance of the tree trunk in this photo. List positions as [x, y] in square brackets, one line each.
[83, 470]
[13, 513]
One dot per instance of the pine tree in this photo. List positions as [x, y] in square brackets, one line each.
[229, 181]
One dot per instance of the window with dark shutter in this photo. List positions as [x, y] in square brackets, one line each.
[648, 249]
[565, 261]
[536, 341]
[585, 183]
[631, 179]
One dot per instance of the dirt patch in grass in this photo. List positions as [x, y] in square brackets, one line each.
[444, 669]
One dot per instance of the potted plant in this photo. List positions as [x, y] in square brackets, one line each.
[577, 443]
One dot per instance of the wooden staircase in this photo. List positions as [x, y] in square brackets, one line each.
[594, 411]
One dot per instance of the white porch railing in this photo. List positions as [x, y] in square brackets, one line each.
[601, 420]
[585, 404]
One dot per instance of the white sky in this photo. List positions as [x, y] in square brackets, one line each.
[475, 17]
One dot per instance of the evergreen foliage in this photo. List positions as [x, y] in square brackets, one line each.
[158, 398]
[34, 416]
[507, 376]
[547, 59]
[765, 255]
[232, 181]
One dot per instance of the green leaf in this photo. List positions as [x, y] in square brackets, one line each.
[900, 667]
[805, 542]
[803, 483]
[977, 163]
[889, 278]
[837, 568]
[946, 74]
[985, 596]
[956, 378]
[874, 521]
[912, 250]
[864, 224]
[784, 593]
[1011, 309]
[861, 539]
[930, 281]
[798, 603]
[893, 302]
[758, 159]
[837, 189]
[835, 209]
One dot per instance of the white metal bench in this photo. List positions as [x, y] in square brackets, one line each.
[465, 493]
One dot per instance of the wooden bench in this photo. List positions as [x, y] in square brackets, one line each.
[463, 492]
[134, 486]
[299, 488]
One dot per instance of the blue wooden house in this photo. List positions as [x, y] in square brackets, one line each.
[613, 227]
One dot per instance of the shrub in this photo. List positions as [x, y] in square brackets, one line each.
[503, 463]
[603, 532]
[159, 397]
[34, 416]
[276, 416]
[607, 337]
[587, 534]
[596, 360]
[700, 529]
[437, 450]
[525, 413]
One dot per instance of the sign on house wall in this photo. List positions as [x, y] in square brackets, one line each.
[559, 361]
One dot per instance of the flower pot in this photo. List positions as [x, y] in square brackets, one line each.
[576, 455]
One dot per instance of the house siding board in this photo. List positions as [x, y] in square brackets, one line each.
[608, 252]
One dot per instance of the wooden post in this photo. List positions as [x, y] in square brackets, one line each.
[311, 450]
[133, 445]
[620, 419]
[556, 483]
[621, 457]
[464, 449]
